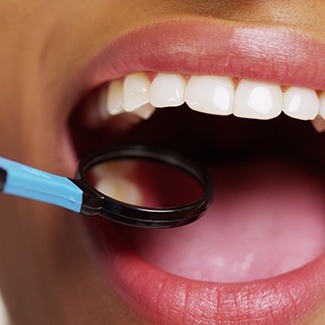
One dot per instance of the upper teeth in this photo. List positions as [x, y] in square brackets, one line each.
[209, 94]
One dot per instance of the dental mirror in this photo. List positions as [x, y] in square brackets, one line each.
[133, 185]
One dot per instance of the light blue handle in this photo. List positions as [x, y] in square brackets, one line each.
[37, 185]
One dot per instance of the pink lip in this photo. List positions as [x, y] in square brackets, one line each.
[275, 54]
[272, 54]
[168, 299]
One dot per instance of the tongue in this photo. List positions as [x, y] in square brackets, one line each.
[267, 218]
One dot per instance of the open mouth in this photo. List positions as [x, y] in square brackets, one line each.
[263, 237]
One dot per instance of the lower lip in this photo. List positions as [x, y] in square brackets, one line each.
[165, 298]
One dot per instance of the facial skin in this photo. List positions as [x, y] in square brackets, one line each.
[48, 270]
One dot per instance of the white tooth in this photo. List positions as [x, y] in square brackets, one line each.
[210, 94]
[167, 90]
[120, 189]
[322, 105]
[135, 91]
[145, 111]
[113, 180]
[257, 100]
[114, 99]
[301, 103]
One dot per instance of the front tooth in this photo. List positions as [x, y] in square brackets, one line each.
[210, 94]
[135, 91]
[322, 105]
[167, 90]
[145, 111]
[114, 104]
[257, 100]
[301, 103]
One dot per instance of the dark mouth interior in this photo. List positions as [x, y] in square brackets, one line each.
[226, 142]
[207, 138]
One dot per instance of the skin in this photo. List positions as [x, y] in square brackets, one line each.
[47, 272]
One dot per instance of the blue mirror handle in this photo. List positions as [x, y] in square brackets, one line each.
[24, 181]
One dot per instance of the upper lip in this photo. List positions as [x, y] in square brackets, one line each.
[273, 54]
